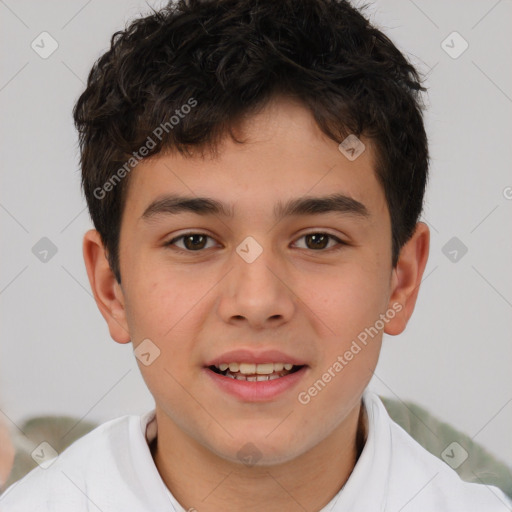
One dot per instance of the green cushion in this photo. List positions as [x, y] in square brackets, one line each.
[58, 431]
[435, 436]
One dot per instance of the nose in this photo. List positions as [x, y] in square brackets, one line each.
[258, 292]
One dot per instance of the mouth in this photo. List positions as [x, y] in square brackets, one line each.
[251, 376]
[252, 372]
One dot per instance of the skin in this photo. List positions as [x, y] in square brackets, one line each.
[6, 454]
[305, 301]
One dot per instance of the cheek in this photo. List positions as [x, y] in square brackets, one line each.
[157, 310]
[346, 300]
[157, 301]
[167, 309]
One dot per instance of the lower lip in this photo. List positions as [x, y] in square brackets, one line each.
[256, 391]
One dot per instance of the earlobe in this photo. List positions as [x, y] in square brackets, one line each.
[106, 290]
[406, 278]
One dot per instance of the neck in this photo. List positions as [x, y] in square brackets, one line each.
[200, 480]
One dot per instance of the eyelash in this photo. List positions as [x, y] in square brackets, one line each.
[340, 245]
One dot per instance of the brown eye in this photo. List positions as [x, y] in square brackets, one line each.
[194, 242]
[319, 241]
[191, 241]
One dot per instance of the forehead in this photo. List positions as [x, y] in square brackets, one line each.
[284, 156]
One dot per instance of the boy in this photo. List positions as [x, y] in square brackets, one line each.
[255, 171]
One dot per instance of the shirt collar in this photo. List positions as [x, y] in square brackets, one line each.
[149, 427]
[366, 488]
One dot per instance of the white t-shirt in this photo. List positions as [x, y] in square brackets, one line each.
[111, 469]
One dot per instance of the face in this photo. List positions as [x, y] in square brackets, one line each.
[256, 284]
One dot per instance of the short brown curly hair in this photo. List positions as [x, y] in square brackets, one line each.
[226, 58]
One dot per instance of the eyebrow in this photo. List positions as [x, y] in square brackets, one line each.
[306, 205]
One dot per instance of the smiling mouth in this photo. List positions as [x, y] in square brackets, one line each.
[255, 372]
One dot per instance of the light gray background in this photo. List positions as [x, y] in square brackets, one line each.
[455, 357]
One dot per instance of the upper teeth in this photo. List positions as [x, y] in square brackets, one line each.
[251, 368]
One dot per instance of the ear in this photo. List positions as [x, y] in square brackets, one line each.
[107, 291]
[406, 278]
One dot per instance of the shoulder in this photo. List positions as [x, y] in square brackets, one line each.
[63, 479]
[420, 481]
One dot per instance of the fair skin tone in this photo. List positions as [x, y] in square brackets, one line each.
[301, 296]
[6, 454]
